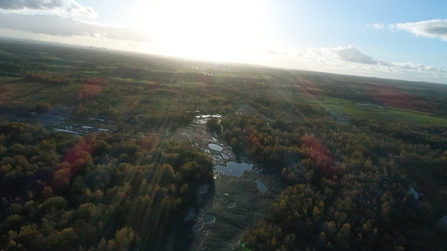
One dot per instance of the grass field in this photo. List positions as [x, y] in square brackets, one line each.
[383, 113]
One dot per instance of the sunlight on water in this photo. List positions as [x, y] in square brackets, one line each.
[261, 186]
[215, 147]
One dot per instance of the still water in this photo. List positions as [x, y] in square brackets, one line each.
[233, 168]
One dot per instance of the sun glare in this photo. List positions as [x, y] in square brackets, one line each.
[215, 30]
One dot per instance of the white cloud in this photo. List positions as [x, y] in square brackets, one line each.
[349, 60]
[377, 26]
[430, 28]
[270, 50]
[59, 7]
[59, 26]
[352, 54]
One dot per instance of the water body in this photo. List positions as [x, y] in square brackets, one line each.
[215, 147]
[261, 186]
[234, 168]
[208, 219]
[225, 156]
[197, 227]
[415, 193]
[191, 215]
[231, 204]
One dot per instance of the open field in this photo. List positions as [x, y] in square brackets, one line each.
[380, 112]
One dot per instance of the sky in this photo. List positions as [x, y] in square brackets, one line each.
[377, 38]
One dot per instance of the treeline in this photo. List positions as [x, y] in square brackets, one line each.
[159, 77]
[269, 145]
[349, 187]
[98, 192]
[11, 69]
[270, 107]
[162, 120]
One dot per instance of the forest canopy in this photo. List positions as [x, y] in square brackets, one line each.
[103, 150]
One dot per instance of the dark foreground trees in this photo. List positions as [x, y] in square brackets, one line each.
[349, 188]
[213, 125]
[105, 192]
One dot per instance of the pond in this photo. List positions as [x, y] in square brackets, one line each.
[415, 193]
[197, 227]
[190, 215]
[234, 168]
[261, 186]
[208, 219]
[215, 147]
[231, 204]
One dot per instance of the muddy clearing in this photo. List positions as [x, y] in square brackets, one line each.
[238, 202]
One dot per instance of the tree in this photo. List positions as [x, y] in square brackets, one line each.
[213, 125]
[42, 107]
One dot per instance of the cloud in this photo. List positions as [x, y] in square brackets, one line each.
[270, 50]
[377, 26]
[430, 28]
[352, 54]
[59, 26]
[61, 7]
[350, 60]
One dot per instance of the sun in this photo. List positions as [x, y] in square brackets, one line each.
[216, 30]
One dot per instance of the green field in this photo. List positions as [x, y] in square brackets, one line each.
[383, 113]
